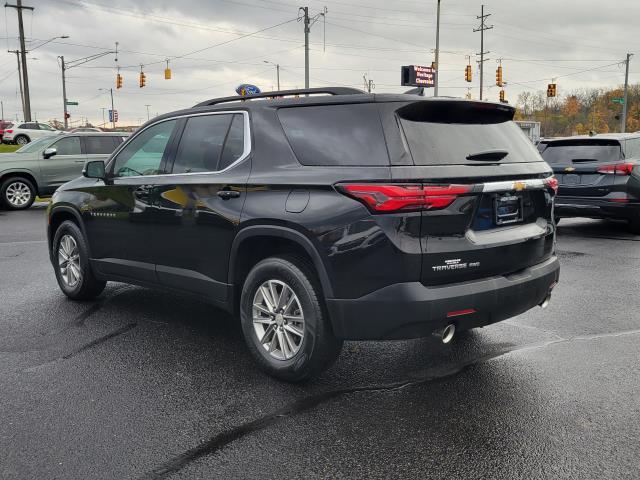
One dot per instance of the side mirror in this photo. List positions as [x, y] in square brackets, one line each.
[94, 169]
[49, 152]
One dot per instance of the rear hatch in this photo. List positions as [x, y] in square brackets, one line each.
[585, 167]
[489, 194]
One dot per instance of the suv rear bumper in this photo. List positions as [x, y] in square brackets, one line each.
[595, 208]
[412, 310]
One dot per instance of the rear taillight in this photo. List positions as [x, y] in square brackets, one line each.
[393, 198]
[8, 131]
[552, 183]
[617, 169]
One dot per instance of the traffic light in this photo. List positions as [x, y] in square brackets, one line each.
[499, 81]
[167, 73]
[502, 96]
[467, 73]
[551, 90]
[67, 115]
[118, 81]
[143, 79]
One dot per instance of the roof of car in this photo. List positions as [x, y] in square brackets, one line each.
[599, 136]
[93, 134]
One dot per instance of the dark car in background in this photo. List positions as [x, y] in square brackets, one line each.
[320, 218]
[598, 176]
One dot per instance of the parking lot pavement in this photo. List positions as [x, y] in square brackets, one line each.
[145, 384]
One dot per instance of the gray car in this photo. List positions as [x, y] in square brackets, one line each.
[41, 166]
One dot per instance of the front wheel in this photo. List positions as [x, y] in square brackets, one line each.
[71, 264]
[284, 322]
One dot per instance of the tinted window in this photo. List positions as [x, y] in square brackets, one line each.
[67, 146]
[100, 145]
[335, 134]
[433, 143]
[201, 144]
[143, 155]
[584, 150]
[234, 144]
[30, 126]
[632, 149]
[44, 126]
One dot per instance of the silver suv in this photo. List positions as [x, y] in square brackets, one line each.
[40, 167]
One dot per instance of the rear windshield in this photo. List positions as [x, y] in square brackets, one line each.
[585, 151]
[335, 135]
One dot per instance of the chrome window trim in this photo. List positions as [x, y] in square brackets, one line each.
[508, 185]
[246, 152]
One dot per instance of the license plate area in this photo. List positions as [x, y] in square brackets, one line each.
[571, 179]
[507, 209]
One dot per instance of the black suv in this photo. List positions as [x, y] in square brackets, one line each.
[320, 215]
[598, 176]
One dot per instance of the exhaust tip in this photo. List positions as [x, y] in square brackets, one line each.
[546, 301]
[448, 333]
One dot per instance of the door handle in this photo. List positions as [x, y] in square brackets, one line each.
[227, 194]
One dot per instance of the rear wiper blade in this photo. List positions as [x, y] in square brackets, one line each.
[488, 155]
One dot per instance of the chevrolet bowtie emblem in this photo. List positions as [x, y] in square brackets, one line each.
[569, 169]
[519, 186]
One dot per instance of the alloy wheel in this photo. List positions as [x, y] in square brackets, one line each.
[278, 320]
[18, 194]
[69, 261]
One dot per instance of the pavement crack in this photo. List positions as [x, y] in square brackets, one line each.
[219, 441]
[100, 340]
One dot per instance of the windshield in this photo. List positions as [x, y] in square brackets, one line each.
[567, 152]
[35, 145]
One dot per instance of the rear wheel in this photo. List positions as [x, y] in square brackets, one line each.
[71, 264]
[284, 322]
[17, 193]
[21, 140]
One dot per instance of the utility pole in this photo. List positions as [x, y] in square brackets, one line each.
[113, 110]
[2, 108]
[435, 87]
[17, 52]
[147, 111]
[277, 65]
[64, 93]
[483, 26]
[308, 22]
[623, 127]
[104, 122]
[23, 54]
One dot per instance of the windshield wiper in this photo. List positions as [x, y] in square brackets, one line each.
[488, 155]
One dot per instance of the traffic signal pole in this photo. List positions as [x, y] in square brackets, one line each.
[113, 110]
[435, 86]
[623, 120]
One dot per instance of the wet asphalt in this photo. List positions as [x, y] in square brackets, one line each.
[142, 384]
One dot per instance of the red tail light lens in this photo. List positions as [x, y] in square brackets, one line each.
[8, 131]
[617, 169]
[393, 198]
[552, 183]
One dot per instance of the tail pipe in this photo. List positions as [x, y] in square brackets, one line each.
[547, 299]
[446, 334]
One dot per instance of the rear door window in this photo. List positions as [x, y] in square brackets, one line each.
[234, 143]
[100, 145]
[335, 135]
[30, 126]
[201, 143]
[582, 151]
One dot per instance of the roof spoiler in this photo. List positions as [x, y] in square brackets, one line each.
[285, 93]
[441, 110]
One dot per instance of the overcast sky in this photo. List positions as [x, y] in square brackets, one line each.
[537, 40]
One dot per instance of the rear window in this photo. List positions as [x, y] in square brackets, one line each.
[434, 143]
[102, 145]
[567, 152]
[335, 135]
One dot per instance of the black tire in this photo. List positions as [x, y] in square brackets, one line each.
[88, 286]
[17, 193]
[21, 140]
[319, 347]
[634, 225]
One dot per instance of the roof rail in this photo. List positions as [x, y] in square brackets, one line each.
[284, 93]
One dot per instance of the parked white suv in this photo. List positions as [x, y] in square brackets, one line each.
[23, 133]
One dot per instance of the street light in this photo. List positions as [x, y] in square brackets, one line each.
[277, 70]
[48, 41]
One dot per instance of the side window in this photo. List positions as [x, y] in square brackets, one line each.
[201, 144]
[67, 146]
[234, 144]
[143, 155]
[99, 145]
[44, 126]
[30, 126]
